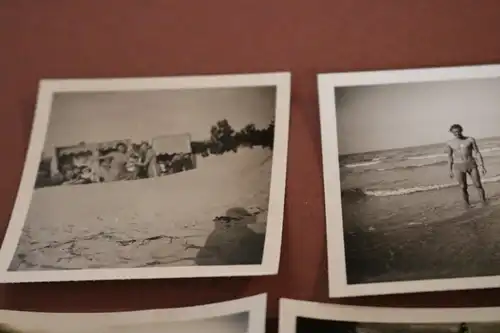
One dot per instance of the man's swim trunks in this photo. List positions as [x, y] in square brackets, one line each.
[465, 167]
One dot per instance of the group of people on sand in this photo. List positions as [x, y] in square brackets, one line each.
[174, 163]
[127, 163]
[121, 163]
[73, 175]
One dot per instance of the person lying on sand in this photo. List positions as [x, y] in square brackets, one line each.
[73, 177]
[461, 162]
[87, 175]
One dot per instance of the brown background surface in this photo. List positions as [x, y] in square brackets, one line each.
[128, 38]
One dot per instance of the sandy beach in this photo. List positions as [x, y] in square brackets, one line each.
[151, 222]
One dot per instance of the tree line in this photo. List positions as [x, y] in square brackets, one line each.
[223, 139]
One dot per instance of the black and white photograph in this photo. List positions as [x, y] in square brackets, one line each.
[412, 179]
[310, 317]
[246, 315]
[152, 178]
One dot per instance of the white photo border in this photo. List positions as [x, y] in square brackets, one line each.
[47, 89]
[337, 275]
[40, 321]
[290, 310]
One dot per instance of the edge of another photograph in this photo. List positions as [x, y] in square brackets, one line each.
[325, 317]
[245, 315]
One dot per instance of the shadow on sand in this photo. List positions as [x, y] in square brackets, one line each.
[233, 242]
[4, 328]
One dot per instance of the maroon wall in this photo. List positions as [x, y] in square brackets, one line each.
[127, 38]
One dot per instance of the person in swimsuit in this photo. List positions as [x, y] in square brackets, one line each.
[461, 162]
[148, 163]
[118, 163]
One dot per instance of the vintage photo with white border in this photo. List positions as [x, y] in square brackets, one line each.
[245, 315]
[306, 317]
[411, 164]
[140, 178]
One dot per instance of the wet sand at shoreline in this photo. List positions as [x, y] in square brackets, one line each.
[465, 245]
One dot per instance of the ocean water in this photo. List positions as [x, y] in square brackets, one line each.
[410, 185]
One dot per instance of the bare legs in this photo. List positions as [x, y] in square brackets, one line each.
[462, 181]
[476, 180]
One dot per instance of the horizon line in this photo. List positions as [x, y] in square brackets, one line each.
[406, 147]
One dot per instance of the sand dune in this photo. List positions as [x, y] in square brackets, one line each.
[162, 221]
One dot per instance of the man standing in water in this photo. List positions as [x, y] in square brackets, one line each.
[462, 162]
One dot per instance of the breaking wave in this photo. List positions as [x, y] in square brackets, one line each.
[415, 166]
[424, 157]
[358, 192]
[365, 163]
[485, 151]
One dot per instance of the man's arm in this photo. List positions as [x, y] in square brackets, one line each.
[479, 156]
[449, 151]
[106, 156]
[149, 157]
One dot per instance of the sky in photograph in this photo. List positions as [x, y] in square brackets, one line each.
[382, 117]
[100, 117]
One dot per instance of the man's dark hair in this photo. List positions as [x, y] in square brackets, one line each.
[456, 126]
